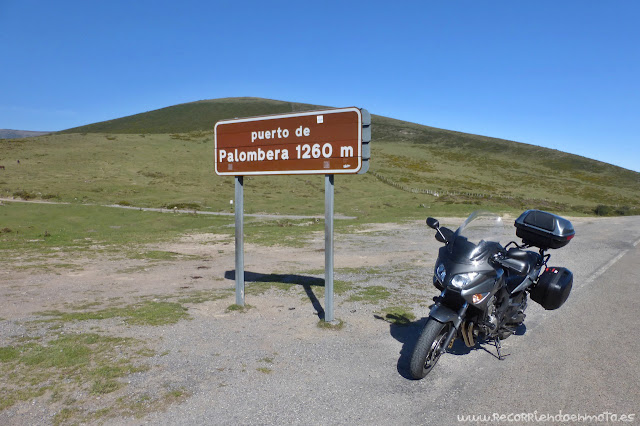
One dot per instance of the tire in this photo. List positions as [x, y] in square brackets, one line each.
[427, 351]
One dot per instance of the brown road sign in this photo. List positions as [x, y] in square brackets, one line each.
[333, 141]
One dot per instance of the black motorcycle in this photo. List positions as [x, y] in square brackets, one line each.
[485, 285]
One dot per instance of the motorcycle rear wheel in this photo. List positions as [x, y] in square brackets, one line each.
[428, 349]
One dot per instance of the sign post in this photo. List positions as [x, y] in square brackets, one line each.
[239, 214]
[326, 142]
[328, 248]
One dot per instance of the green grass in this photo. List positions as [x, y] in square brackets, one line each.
[335, 325]
[54, 229]
[71, 364]
[237, 308]
[283, 232]
[371, 294]
[144, 313]
[85, 369]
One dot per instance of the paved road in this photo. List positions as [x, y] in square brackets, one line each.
[582, 359]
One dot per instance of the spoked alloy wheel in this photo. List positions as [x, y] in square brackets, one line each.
[428, 349]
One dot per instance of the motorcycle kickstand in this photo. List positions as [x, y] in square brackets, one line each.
[499, 349]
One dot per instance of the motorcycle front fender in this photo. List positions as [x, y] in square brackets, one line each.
[444, 315]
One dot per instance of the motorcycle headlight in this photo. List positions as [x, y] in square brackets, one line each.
[461, 280]
[441, 272]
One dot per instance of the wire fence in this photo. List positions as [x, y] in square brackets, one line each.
[435, 192]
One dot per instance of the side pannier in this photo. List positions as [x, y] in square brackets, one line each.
[553, 287]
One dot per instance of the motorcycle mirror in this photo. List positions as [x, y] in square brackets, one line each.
[433, 223]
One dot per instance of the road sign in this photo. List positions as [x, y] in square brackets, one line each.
[332, 141]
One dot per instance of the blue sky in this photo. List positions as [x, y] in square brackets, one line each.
[560, 74]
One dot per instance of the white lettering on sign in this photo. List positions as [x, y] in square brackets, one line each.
[307, 151]
[270, 134]
[254, 155]
[304, 152]
[302, 131]
[280, 133]
[346, 151]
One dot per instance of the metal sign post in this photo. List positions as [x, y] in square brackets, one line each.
[328, 248]
[239, 240]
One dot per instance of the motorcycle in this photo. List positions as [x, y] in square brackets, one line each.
[485, 286]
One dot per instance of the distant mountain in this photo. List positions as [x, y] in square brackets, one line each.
[17, 134]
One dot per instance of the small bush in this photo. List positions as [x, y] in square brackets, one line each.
[183, 206]
[25, 195]
[237, 308]
[337, 324]
[604, 210]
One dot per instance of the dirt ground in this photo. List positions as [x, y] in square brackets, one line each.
[205, 262]
[283, 289]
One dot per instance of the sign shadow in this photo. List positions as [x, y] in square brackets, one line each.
[305, 281]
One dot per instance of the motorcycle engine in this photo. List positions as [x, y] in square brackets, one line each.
[491, 318]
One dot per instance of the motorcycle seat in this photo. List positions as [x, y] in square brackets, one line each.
[521, 262]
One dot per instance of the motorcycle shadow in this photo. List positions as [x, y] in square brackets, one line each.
[408, 333]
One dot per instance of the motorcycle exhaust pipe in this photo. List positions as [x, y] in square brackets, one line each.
[467, 334]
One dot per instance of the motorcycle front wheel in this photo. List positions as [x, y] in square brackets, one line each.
[428, 349]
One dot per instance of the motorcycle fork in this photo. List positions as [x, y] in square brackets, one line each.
[454, 328]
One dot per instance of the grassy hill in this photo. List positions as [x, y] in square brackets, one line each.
[193, 116]
[165, 158]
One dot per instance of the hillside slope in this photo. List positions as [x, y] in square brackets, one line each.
[165, 157]
[193, 116]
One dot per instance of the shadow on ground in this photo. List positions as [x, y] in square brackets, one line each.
[307, 282]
